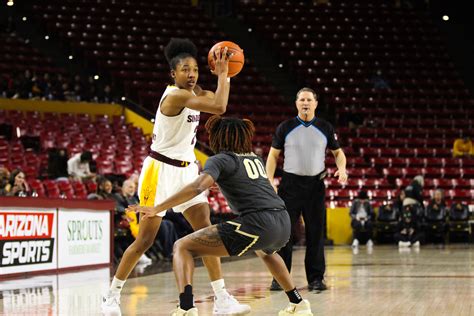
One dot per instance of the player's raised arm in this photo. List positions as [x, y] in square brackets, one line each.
[206, 103]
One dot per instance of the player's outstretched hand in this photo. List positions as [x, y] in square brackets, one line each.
[342, 176]
[147, 211]
[221, 62]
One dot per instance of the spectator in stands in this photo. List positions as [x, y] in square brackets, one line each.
[57, 164]
[408, 227]
[127, 196]
[437, 203]
[107, 95]
[414, 191]
[398, 202]
[17, 186]
[28, 85]
[379, 82]
[463, 147]
[123, 199]
[363, 217]
[180, 223]
[68, 92]
[134, 178]
[104, 189]
[457, 210]
[78, 166]
[4, 179]
[167, 234]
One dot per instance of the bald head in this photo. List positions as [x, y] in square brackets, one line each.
[128, 188]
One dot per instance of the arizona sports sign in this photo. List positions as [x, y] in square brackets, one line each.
[27, 240]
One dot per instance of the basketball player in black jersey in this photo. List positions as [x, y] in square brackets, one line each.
[262, 225]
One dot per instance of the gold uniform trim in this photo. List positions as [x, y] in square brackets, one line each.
[255, 237]
[150, 183]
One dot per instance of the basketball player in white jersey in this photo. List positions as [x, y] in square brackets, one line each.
[171, 165]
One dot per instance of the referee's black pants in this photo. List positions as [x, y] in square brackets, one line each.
[305, 195]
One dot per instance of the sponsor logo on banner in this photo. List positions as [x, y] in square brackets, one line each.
[84, 236]
[26, 238]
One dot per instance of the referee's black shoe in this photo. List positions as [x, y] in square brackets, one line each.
[275, 286]
[317, 285]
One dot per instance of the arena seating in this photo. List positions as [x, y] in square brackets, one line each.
[19, 55]
[407, 128]
[125, 40]
[118, 148]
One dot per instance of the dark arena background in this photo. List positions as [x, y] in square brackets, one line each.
[81, 80]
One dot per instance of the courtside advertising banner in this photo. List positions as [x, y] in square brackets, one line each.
[27, 240]
[85, 237]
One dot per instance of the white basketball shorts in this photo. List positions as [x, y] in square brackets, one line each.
[159, 180]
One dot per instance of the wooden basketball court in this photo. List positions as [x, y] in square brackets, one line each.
[384, 281]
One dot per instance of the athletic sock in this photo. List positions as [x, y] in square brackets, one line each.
[186, 299]
[294, 296]
[218, 286]
[116, 286]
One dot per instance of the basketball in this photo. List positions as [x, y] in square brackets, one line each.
[236, 62]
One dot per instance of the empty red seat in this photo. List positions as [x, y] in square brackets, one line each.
[37, 187]
[370, 152]
[411, 172]
[402, 182]
[371, 173]
[424, 152]
[398, 162]
[463, 183]
[353, 183]
[451, 172]
[91, 186]
[415, 162]
[123, 167]
[460, 195]
[105, 166]
[432, 172]
[380, 162]
[467, 173]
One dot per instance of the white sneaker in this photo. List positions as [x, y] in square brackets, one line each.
[144, 259]
[355, 243]
[181, 312]
[369, 243]
[229, 306]
[416, 244]
[302, 308]
[111, 305]
[355, 250]
[403, 244]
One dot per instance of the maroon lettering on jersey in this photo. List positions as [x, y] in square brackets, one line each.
[193, 118]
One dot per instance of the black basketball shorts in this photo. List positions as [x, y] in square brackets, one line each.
[266, 230]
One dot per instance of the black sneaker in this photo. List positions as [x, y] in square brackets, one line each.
[275, 286]
[317, 285]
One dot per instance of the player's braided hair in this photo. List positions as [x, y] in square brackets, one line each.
[179, 48]
[230, 134]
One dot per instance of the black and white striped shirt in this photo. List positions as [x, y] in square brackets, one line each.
[304, 145]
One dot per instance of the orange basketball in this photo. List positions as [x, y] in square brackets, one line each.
[236, 62]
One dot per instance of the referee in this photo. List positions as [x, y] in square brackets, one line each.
[304, 140]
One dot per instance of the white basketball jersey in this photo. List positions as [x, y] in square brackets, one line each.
[175, 136]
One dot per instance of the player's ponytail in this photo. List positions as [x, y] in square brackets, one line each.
[179, 48]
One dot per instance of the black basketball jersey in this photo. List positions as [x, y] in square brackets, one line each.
[243, 181]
